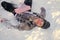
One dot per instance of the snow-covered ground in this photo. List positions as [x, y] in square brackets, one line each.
[52, 15]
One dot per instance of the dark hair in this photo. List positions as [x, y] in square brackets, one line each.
[46, 24]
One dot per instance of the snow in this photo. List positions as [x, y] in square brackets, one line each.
[52, 15]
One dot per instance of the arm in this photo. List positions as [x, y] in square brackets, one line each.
[42, 14]
[23, 8]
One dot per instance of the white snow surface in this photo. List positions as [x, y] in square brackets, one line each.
[52, 15]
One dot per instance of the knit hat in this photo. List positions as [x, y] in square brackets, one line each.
[46, 24]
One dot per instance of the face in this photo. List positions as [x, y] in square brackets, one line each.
[39, 22]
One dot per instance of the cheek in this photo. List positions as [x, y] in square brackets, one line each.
[41, 24]
[41, 21]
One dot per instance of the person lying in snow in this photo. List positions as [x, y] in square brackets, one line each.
[24, 16]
